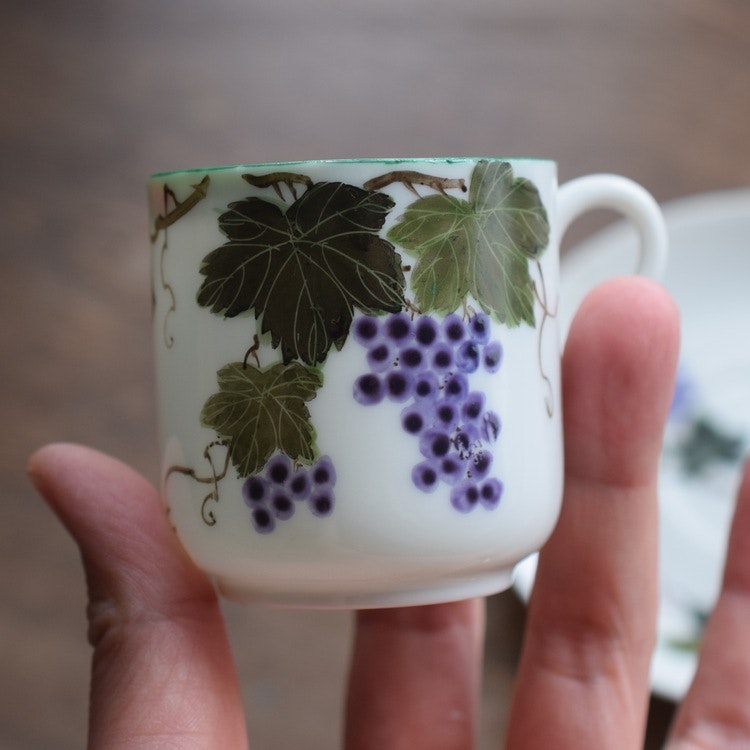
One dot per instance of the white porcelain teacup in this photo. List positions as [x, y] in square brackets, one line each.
[358, 367]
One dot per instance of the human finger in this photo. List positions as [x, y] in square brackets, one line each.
[715, 714]
[415, 677]
[583, 675]
[162, 673]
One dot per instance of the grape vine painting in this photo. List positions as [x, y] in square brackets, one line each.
[311, 264]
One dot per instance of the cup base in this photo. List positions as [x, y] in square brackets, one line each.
[455, 589]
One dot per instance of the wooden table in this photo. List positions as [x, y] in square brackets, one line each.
[96, 95]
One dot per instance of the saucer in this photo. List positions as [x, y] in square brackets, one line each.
[708, 432]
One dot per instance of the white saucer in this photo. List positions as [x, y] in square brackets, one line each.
[709, 428]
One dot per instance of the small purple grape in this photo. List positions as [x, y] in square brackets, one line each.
[492, 356]
[255, 491]
[441, 357]
[279, 469]
[467, 357]
[321, 503]
[473, 406]
[490, 492]
[399, 385]
[479, 328]
[456, 386]
[368, 389]
[435, 443]
[323, 472]
[380, 357]
[426, 331]
[281, 505]
[452, 468]
[464, 496]
[366, 329]
[425, 476]
[480, 464]
[263, 520]
[299, 484]
[490, 426]
[446, 414]
[411, 358]
[426, 385]
[454, 330]
[398, 327]
[417, 417]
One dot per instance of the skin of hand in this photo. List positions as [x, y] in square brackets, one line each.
[162, 673]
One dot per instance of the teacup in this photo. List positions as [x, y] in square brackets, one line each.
[358, 370]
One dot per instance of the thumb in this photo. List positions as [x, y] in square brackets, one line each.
[162, 670]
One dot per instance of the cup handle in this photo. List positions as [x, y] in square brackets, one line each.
[627, 197]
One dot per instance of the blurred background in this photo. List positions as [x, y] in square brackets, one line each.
[97, 94]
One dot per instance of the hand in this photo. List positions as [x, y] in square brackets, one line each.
[163, 676]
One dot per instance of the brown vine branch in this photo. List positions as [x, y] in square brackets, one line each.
[412, 307]
[468, 310]
[206, 513]
[277, 179]
[252, 352]
[162, 221]
[409, 179]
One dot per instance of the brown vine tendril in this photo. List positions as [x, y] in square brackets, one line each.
[161, 223]
[546, 314]
[166, 287]
[207, 514]
[252, 352]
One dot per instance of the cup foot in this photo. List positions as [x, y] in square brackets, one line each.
[368, 596]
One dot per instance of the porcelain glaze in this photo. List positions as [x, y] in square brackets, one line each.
[358, 370]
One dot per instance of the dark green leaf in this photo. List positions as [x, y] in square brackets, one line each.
[262, 411]
[304, 272]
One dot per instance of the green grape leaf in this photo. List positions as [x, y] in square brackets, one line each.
[479, 247]
[304, 271]
[262, 411]
[439, 230]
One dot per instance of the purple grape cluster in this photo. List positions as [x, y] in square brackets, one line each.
[275, 493]
[426, 365]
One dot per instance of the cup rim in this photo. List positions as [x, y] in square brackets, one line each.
[348, 161]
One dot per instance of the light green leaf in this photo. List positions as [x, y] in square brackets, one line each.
[439, 229]
[262, 411]
[480, 247]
